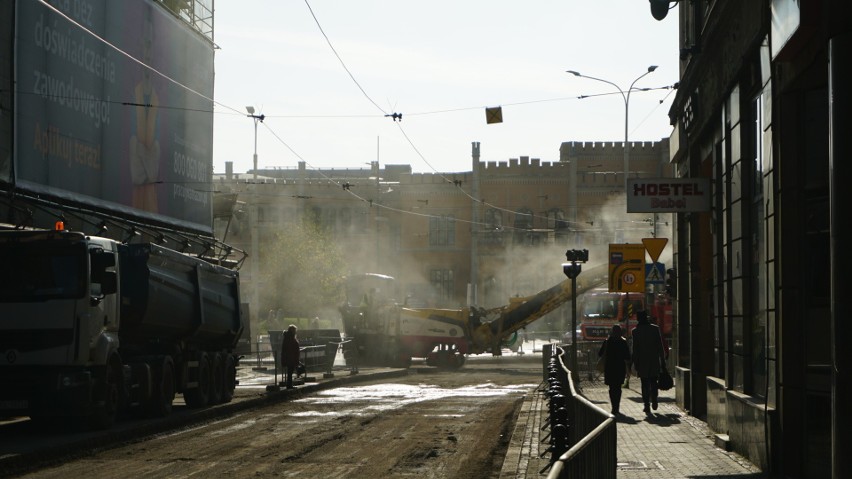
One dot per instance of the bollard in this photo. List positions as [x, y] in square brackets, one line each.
[330, 353]
[558, 446]
[259, 366]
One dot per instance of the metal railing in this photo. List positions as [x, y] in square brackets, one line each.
[591, 431]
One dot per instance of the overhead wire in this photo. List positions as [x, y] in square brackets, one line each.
[342, 63]
[417, 150]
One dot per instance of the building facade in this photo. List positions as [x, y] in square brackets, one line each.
[477, 237]
[759, 112]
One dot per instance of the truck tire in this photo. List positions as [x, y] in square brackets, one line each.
[217, 384]
[230, 378]
[199, 395]
[107, 398]
[163, 394]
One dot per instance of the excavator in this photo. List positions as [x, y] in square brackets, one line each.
[384, 332]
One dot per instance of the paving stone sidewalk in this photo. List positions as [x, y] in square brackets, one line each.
[665, 444]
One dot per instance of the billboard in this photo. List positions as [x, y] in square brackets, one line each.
[93, 125]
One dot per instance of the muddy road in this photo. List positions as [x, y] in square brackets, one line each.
[426, 423]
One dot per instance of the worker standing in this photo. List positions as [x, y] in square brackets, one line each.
[290, 353]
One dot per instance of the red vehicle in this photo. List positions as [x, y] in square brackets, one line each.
[661, 311]
[602, 309]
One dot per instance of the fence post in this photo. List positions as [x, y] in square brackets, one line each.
[546, 354]
[330, 353]
[259, 366]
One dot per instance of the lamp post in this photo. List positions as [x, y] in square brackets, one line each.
[626, 97]
[572, 269]
[257, 119]
[253, 218]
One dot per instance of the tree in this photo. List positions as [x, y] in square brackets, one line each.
[301, 270]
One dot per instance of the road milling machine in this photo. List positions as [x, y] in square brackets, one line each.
[383, 332]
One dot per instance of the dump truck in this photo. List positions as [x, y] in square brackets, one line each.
[92, 327]
[386, 332]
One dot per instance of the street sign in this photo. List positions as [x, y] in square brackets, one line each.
[655, 273]
[654, 246]
[627, 268]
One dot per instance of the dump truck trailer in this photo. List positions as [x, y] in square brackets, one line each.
[90, 327]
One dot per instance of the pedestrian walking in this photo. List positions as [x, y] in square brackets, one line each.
[290, 353]
[648, 354]
[616, 356]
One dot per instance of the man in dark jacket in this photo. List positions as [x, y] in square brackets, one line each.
[648, 354]
[290, 353]
[616, 365]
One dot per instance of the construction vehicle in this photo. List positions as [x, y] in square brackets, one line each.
[92, 327]
[601, 309]
[387, 333]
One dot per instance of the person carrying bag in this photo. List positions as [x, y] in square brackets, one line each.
[665, 381]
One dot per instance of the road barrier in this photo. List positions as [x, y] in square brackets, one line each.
[319, 353]
[582, 435]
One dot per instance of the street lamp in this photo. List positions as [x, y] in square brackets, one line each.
[253, 218]
[572, 269]
[626, 98]
[257, 118]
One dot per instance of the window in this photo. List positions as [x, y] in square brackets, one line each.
[442, 230]
[556, 219]
[493, 219]
[493, 230]
[523, 222]
[443, 283]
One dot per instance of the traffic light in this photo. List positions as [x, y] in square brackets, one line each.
[671, 282]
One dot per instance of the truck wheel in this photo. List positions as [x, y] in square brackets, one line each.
[218, 376]
[460, 360]
[230, 378]
[199, 396]
[164, 389]
[107, 399]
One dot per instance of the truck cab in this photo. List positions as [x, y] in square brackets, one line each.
[602, 309]
[60, 309]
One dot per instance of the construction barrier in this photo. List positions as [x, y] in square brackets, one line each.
[312, 346]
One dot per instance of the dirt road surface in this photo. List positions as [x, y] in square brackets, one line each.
[426, 423]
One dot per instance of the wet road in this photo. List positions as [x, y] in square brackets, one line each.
[426, 423]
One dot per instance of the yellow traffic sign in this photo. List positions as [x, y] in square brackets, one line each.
[627, 268]
[654, 246]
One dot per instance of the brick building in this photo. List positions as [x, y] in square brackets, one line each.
[498, 230]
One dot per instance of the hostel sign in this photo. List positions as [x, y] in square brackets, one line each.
[668, 195]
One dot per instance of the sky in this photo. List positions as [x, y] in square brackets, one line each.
[325, 73]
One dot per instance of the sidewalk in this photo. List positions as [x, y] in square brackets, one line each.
[666, 444]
